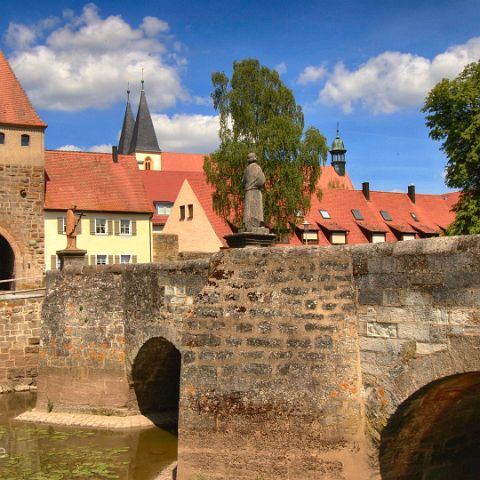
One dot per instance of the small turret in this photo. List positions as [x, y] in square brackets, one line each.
[337, 151]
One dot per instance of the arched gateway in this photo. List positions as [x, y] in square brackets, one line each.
[7, 264]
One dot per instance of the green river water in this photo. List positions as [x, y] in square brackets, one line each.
[40, 452]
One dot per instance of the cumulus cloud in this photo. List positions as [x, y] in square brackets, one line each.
[187, 133]
[312, 74]
[87, 61]
[394, 80]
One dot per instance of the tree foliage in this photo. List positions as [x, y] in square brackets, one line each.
[453, 116]
[258, 113]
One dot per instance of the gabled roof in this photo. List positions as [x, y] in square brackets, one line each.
[15, 107]
[144, 138]
[439, 207]
[127, 130]
[93, 182]
[163, 186]
[331, 179]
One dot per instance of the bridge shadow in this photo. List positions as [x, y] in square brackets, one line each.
[156, 381]
[434, 434]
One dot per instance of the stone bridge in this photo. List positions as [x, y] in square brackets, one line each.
[349, 363]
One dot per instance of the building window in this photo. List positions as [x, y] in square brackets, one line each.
[101, 259]
[25, 140]
[190, 212]
[357, 214]
[324, 214]
[2, 138]
[163, 208]
[408, 236]
[378, 237]
[338, 238]
[125, 259]
[385, 215]
[125, 227]
[100, 226]
[182, 212]
[158, 228]
[310, 237]
[147, 163]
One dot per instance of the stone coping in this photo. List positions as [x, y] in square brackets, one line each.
[86, 420]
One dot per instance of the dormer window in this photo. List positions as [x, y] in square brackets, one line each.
[25, 140]
[2, 138]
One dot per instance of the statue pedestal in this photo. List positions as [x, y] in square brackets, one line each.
[72, 258]
[258, 238]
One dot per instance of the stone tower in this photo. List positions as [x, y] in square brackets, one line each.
[337, 151]
[21, 185]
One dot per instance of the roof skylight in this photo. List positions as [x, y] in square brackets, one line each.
[324, 214]
[356, 214]
[386, 216]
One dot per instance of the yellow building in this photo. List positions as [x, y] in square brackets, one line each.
[108, 190]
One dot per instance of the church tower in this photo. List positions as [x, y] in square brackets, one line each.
[337, 151]
[127, 129]
[22, 185]
[144, 140]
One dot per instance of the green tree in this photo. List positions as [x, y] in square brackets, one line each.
[453, 116]
[258, 113]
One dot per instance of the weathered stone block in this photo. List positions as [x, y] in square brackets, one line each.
[385, 330]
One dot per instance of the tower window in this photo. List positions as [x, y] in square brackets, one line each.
[25, 140]
[2, 138]
[148, 163]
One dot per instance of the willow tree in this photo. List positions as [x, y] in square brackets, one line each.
[453, 116]
[258, 113]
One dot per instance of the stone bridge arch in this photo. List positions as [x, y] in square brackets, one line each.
[434, 432]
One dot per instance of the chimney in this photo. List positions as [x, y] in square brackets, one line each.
[114, 154]
[366, 190]
[411, 193]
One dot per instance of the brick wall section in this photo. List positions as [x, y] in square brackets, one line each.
[165, 247]
[419, 318]
[19, 343]
[21, 218]
[270, 383]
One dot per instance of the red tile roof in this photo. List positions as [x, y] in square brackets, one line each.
[93, 182]
[330, 179]
[15, 107]
[438, 207]
[182, 162]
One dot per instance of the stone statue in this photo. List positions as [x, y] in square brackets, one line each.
[253, 182]
[71, 228]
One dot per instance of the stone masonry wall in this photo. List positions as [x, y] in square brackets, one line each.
[270, 384]
[419, 319]
[165, 247]
[21, 219]
[19, 343]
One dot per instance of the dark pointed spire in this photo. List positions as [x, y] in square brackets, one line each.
[127, 128]
[144, 138]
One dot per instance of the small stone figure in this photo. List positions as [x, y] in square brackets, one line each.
[71, 228]
[253, 182]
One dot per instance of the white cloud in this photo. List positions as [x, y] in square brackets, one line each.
[87, 61]
[20, 37]
[187, 133]
[311, 74]
[152, 26]
[281, 68]
[394, 80]
[104, 148]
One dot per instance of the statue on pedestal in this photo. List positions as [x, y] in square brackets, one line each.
[254, 183]
[71, 227]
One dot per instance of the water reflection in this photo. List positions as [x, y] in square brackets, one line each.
[39, 452]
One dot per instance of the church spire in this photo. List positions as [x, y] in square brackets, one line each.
[127, 128]
[337, 151]
[144, 138]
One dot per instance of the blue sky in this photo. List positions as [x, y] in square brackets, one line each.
[366, 64]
